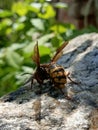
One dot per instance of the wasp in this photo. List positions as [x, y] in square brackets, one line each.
[50, 71]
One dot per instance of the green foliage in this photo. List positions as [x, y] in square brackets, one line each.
[21, 26]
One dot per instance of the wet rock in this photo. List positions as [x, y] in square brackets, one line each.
[29, 109]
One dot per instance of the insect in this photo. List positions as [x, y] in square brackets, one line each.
[52, 71]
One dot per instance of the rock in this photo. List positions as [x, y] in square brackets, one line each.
[45, 108]
[94, 120]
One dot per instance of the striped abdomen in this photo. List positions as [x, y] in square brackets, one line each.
[57, 74]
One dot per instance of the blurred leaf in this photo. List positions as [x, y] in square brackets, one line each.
[8, 31]
[72, 26]
[61, 5]
[2, 53]
[34, 7]
[20, 8]
[62, 27]
[5, 13]
[27, 69]
[38, 23]
[47, 12]
[8, 76]
[13, 58]
[45, 38]
[18, 26]
[56, 41]
[44, 50]
[45, 58]
[58, 28]
[29, 49]
[5, 23]
[22, 19]
[69, 32]
[1, 62]
[21, 26]
[42, 1]
[17, 46]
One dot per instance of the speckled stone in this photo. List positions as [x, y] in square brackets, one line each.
[45, 108]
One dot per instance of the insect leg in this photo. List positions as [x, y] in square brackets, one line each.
[26, 73]
[64, 94]
[31, 85]
[72, 80]
[62, 91]
[67, 74]
[29, 80]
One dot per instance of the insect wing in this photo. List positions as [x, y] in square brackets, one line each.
[36, 56]
[59, 52]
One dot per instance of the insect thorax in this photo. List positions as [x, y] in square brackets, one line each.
[41, 73]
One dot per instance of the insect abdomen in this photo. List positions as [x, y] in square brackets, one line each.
[57, 74]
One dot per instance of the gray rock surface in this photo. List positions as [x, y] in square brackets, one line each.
[45, 108]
